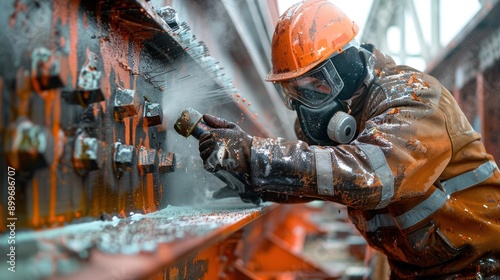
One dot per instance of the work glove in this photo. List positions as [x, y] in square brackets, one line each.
[225, 147]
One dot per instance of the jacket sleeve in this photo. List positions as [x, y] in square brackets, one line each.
[401, 150]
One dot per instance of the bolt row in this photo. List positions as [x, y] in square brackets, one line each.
[30, 147]
[47, 73]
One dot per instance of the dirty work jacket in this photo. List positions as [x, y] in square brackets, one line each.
[417, 180]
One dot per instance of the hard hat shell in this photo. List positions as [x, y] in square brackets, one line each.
[307, 34]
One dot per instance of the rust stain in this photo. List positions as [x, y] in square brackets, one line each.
[413, 79]
[151, 196]
[53, 197]
[135, 122]
[52, 116]
[394, 111]
[126, 124]
[377, 133]
[415, 97]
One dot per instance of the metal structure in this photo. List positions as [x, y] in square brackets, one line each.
[469, 68]
[90, 91]
[96, 184]
[385, 14]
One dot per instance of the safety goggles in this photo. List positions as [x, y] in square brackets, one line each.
[313, 89]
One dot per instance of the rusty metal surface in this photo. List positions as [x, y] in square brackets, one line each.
[136, 247]
[89, 97]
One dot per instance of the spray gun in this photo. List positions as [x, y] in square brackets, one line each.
[190, 123]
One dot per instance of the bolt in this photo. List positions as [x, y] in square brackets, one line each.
[29, 146]
[126, 104]
[123, 158]
[146, 160]
[45, 70]
[83, 98]
[86, 154]
[169, 15]
[166, 162]
[153, 114]
[88, 90]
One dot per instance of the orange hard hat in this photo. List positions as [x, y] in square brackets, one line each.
[307, 34]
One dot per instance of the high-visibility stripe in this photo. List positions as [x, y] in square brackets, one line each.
[422, 210]
[379, 164]
[434, 202]
[324, 173]
[379, 221]
[469, 179]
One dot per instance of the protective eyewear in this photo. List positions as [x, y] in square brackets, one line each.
[313, 89]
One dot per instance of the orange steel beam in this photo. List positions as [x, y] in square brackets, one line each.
[174, 241]
[272, 248]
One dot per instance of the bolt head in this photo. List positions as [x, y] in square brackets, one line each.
[83, 97]
[146, 160]
[86, 155]
[126, 103]
[29, 146]
[153, 114]
[166, 162]
[45, 70]
[123, 157]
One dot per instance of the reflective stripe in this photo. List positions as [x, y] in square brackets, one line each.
[433, 202]
[379, 164]
[422, 210]
[379, 221]
[324, 173]
[469, 179]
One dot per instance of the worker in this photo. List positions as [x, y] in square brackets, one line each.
[386, 140]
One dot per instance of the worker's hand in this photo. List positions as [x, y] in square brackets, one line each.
[225, 147]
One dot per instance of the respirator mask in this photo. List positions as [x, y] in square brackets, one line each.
[321, 114]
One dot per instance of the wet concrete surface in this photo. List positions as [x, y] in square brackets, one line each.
[128, 248]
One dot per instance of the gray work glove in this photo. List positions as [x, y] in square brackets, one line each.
[225, 147]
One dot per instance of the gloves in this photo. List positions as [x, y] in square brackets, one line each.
[225, 147]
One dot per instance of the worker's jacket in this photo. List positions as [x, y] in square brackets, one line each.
[417, 180]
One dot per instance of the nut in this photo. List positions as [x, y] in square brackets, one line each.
[29, 146]
[153, 114]
[86, 154]
[146, 160]
[45, 70]
[123, 158]
[126, 104]
[88, 90]
[166, 162]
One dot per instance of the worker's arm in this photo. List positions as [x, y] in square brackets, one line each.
[400, 152]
